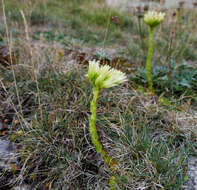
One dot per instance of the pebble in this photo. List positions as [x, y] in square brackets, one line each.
[22, 187]
[191, 184]
[8, 154]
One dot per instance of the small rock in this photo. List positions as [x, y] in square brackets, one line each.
[192, 174]
[7, 154]
[22, 187]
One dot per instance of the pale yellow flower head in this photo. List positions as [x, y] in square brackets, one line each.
[153, 18]
[104, 76]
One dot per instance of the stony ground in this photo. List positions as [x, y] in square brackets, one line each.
[192, 174]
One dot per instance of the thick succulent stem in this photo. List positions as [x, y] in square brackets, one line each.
[95, 138]
[92, 121]
[149, 58]
[93, 131]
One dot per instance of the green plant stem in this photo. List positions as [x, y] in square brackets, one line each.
[95, 138]
[92, 121]
[139, 27]
[93, 131]
[149, 58]
[140, 30]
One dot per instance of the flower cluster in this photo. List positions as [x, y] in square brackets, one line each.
[153, 18]
[104, 76]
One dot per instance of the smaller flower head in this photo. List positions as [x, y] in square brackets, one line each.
[153, 18]
[104, 76]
